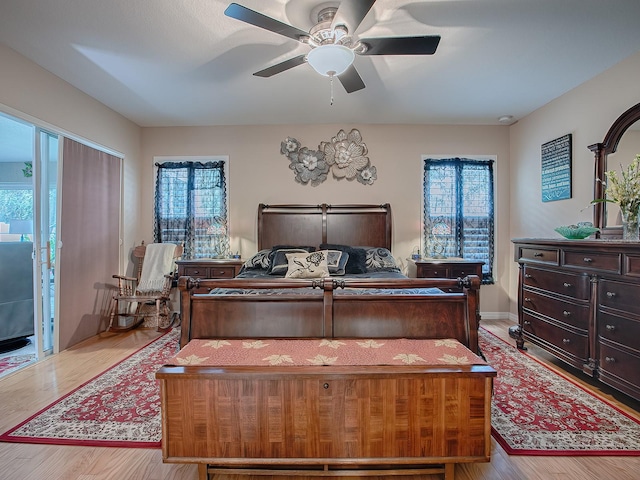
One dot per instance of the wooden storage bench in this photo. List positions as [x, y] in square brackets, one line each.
[324, 407]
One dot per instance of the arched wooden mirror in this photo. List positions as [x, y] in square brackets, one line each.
[614, 152]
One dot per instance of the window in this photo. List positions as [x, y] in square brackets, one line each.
[191, 208]
[458, 210]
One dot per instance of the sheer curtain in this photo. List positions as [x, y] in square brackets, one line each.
[191, 208]
[458, 210]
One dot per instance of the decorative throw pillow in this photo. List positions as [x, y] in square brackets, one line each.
[278, 260]
[381, 260]
[357, 262]
[259, 261]
[336, 261]
[307, 265]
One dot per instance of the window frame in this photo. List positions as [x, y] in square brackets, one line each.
[194, 158]
[490, 278]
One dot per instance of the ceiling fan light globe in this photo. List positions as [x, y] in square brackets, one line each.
[329, 60]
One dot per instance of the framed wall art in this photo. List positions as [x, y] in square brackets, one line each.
[556, 169]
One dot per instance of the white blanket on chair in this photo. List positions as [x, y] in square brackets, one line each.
[158, 262]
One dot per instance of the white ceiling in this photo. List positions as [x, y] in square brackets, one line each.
[183, 62]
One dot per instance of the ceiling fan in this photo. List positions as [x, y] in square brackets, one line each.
[333, 47]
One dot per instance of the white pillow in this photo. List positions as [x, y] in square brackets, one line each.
[307, 265]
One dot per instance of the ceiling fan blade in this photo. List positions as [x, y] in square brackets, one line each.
[423, 45]
[281, 67]
[351, 80]
[252, 17]
[351, 13]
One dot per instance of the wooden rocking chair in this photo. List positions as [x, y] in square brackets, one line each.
[137, 304]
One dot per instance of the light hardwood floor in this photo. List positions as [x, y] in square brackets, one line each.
[31, 389]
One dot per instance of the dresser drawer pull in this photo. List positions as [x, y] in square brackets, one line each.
[566, 341]
[611, 328]
[609, 359]
[526, 275]
[196, 272]
[611, 294]
[566, 314]
[527, 299]
[587, 260]
[221, 272]
[527, 322]
[567, 285]
[538, 254]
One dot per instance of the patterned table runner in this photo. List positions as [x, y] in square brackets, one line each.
[331, 351]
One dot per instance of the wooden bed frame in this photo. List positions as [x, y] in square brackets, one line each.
[445, 401]
[330, 314]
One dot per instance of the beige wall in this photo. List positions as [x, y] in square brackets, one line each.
[586, 112]
[34, 94]
[260, 174]
[29, 92]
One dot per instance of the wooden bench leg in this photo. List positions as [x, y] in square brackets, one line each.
[202, 471]
[449, 471]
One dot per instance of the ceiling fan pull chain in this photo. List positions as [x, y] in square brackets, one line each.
[331, 81]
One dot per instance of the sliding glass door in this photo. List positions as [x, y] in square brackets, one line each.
[28, 206]
[46, 182]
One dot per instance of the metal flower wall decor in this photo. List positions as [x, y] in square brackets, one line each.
[345, 155]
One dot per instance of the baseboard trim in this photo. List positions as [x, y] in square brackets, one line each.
[499, 316]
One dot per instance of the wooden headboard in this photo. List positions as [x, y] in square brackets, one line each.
[357, 225]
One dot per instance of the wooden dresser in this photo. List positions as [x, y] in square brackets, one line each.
[580, 300]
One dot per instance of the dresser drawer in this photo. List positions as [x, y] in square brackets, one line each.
[619, 295]
[576, 316]
[632, 265]
[622, 365]
[609, 262]
[568, 284]
[540, 255]
[571, 343]
[620, 330]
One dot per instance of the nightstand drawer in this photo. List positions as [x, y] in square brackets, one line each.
[195, 272]
[432, 271]
[221, 272]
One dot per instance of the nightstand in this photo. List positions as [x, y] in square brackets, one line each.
[443, 268]
[209, 267]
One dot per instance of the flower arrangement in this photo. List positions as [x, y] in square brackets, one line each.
[624, 190]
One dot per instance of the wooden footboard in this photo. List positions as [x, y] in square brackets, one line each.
[324, 309]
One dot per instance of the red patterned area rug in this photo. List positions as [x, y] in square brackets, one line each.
[536, 411]
[11, 363]
[118, 408]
